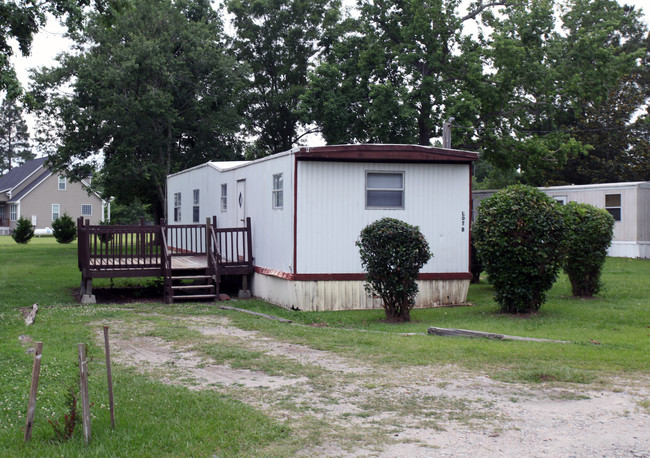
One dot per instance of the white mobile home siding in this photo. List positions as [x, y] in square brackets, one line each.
[332, 211]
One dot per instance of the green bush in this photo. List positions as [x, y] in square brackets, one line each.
[589, 232]
[518, 236]
[24, 231]
[393, 252]
[64, 228]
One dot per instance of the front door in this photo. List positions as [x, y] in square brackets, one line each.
[241, 203]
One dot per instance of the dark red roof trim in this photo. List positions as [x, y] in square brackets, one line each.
[385, 153]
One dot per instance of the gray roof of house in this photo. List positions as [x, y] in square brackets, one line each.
[17, 175]
[35, 182]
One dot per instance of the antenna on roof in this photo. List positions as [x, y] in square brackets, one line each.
[446, 132]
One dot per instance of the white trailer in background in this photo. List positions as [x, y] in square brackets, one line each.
[309, 205]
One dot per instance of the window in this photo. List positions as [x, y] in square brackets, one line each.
[62, 183]
[385, 190]
[560, 199]
[177, 206]
[224, 197]
[86, 210]
[13, 212]
[56, 211]
[278, 198]
[613, 205]
[195, 208]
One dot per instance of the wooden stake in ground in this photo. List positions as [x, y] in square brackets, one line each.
[83, 392]
[31, 409]
[110, 377]
[32, 315]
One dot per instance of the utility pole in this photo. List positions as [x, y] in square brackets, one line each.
[446, 133]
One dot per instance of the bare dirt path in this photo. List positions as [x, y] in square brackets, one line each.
[342, 407]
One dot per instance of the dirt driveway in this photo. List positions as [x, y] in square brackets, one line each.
[343, 407]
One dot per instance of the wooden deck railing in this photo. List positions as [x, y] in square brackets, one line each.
[118, 250]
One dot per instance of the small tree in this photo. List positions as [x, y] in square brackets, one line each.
[518, 236]
[393, 252]
[588, 235]
[64, 228]
[24, 231]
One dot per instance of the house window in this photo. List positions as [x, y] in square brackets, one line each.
[560, 199]
[278, 198]
[13, 212]
[195, 208]
[86, 210]
[385, 190]
[177, 206]
[56, 211]
[224, 197]
[62, 183]
[613, 205]
[2, 214]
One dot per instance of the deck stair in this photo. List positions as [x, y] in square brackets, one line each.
[193, 287]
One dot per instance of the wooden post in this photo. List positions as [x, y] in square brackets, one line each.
[31, 409]
[83, 392]
[208, 247]
[109, 376]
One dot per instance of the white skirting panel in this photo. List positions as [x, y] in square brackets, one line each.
[630, 250]
[349, 295]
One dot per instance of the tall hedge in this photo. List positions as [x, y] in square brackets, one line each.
[588, 236]
[518, 235]
[393, 252]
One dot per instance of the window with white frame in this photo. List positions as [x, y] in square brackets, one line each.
[195, 209]
[56, 211]
[385, 190]
[613, 205]
[560, 199]
[62, 183]
[278, 192]
[224, 197]
[86, 210]
[13, 212]
[177, 206]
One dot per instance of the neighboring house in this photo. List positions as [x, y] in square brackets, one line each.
[628, 203]
[308, 206]
[36, 193]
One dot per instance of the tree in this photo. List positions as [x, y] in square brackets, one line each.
[24, 231]
[153, 93]
[518, 235]
[278, 39]
[64, 228]
[395, 72]
[22, 19]
[393, 252]
[589, 232]
[14, 138]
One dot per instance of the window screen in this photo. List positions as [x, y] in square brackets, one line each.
[384, 190]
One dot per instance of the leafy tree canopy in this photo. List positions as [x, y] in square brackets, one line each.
[150, 94]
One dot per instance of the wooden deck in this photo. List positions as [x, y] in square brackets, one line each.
[173, 252]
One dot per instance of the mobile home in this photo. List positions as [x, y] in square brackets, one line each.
[308, 206]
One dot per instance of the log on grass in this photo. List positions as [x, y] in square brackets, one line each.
[486, 335]
[32, 315]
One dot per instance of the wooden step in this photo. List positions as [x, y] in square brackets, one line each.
[192, 286]
[196, 296]
[192, 277]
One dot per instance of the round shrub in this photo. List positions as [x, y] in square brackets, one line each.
[64, 228]
[518, 236]
[24, 231]
[393, 252]
[589, 232]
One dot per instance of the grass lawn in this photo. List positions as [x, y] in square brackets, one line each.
[609, 337]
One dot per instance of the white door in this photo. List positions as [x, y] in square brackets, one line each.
[241, 203]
